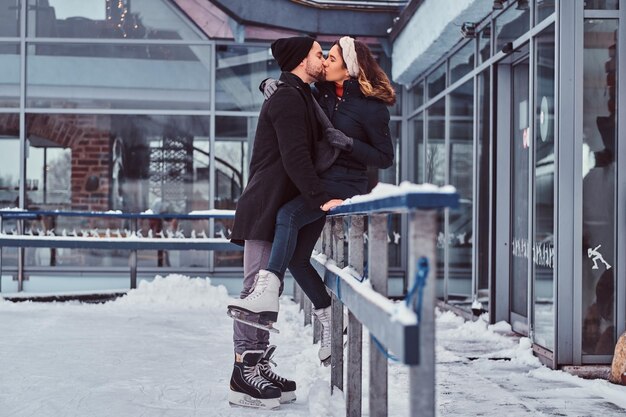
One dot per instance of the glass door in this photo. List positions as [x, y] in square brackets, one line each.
[520, 148]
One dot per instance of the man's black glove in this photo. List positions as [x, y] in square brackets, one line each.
[269, 87]
[338, 139]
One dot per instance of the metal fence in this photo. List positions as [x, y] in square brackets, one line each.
[359, 283]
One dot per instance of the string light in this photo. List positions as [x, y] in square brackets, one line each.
[120, 11]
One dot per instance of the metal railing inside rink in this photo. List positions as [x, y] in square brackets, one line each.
[405, 329]
[131, 239]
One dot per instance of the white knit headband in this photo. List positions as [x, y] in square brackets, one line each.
[349, 55]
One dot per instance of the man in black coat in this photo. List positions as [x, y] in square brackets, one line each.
[281, 168]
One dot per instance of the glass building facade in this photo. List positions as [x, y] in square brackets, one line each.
[129, 106]
[523, 119]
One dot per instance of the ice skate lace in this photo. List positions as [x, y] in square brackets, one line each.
[253, 376]
[267, 369]
[259, 286]
[324, 320]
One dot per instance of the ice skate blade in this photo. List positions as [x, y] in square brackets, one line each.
[266, 327]
[287, 397]
[239, 399]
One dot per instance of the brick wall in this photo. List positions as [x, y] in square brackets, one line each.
[88, 138]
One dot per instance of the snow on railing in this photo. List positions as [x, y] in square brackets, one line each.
[406, 328]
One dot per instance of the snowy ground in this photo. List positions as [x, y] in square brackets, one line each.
[165, 350]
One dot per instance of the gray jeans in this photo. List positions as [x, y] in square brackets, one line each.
[255, 256]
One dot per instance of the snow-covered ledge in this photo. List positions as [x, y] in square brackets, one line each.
[430, 33]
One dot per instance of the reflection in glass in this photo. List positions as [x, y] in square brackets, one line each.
[436, 159]
[436, 81]
[484, 145]
[462, 62]
[107, 19]
[520, 250]
[240, 70]
[126, 163]
[543, 242]
[602, 4]
[9, 18]
[543, 9]
[9, 75]
[416, 96]
[234, 137]
[118, 76]
[460, 230]
[484, 44]
[599, 185]
[416, 134]
[9, 159]
[510, 25]
[391, 175]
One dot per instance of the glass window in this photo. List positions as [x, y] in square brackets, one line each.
[543, 245]
[416, 136]
[118, 76]
[108, 19]
[391, 175]
[240, 70]
[234, 137]
[520, 145]
[484, 44]
[111, 162]
[543, 9]
[9, 159]
[460, 230]
[9, 75]
[599, 186]
[436, 174]
[416, 96]
[602, 4]
[9, 18]
[510, 25]
[436, 81]
[462, 62]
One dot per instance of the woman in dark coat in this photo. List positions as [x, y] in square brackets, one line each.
[354, 98]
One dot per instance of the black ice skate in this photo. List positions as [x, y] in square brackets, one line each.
[248, 388]
[260, 308]
[287, 387]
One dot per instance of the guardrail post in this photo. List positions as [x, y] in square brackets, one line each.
[132, 260]
[355, 328]
[377, 270]
[20, 258]
[422, 241]
[336, 358]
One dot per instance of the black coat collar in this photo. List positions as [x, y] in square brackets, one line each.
[351, 87]
[294, 81]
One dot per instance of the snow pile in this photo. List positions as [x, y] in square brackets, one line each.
[176, 291]
[383, 190]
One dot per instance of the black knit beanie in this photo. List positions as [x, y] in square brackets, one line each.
[289, 52]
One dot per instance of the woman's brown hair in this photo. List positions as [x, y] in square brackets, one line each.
[373, 81]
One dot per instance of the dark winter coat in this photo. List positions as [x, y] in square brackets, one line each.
[281, 166]
[364, 119]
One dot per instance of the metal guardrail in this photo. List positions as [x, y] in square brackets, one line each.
[406, 330]
[132, 243]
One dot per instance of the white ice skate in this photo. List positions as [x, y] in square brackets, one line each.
[324, 315]
[260, 308]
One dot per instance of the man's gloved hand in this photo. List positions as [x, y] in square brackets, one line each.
[338, 139]
[269, 87]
